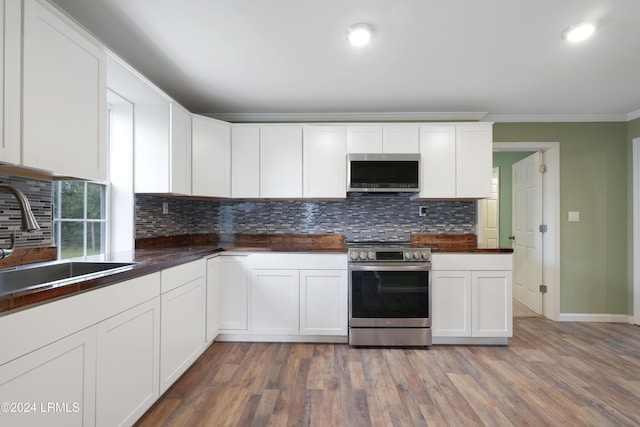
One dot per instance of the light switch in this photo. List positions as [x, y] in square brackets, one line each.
[574, 216]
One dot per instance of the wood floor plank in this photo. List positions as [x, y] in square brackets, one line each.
[551, 373]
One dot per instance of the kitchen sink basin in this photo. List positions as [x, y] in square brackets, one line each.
[23, 278]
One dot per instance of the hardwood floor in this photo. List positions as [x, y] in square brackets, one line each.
[551, 374]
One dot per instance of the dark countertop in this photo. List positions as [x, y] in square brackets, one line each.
[152, 259]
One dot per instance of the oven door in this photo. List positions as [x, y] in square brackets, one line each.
[389, 295]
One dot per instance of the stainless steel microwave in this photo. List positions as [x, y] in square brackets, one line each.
[383, 172]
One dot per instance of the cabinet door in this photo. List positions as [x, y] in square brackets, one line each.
[364, 139]
[474, 161]
[280, 161]
[323, 302]
[400, 139]
[245, 162]
[234, 294]
[451, 303]
[214, 285]
[10, 80]
[182, 330]
[274, 301]
[492, 304]
[57, 381]
[180, 159]
[64, 96]
[128, 364]
[325, 161]
[211, 158]
[438, 163]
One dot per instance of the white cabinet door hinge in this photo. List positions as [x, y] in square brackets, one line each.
[543, 228]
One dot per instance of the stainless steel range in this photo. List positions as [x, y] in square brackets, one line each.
[389, 296]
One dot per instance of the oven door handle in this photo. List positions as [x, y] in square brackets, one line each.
[390, 267]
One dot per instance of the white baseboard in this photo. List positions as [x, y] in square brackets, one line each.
[580, 317]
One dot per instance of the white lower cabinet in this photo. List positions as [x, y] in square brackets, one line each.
[295, 296]
[471, 296]
[53, 386]
[274, 301]
[234, 294]
[492, 313]
[183, 319]
[214, 285]
[128, 364]
[451, 303]
[323, 302]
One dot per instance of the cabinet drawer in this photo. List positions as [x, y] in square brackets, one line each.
[181, 274]
[471, 262]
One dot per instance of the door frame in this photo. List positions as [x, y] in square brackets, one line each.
[481, 212]
[551, 218]
[636, 230]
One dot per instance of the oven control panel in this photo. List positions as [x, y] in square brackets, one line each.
[389, 255]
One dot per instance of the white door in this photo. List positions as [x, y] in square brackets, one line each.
[527, 244]
[489, 214]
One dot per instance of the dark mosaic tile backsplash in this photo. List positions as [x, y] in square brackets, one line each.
[359, 217]
[39, 194]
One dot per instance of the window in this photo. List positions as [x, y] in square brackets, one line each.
[79, 218]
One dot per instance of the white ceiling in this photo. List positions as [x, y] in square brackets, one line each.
[502, 60]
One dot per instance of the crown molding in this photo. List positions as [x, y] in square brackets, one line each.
[548, 118]
[633, 115]
[419, 117]
[346, 117]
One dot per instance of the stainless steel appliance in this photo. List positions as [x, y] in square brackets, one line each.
[389, 296]
[383, 172]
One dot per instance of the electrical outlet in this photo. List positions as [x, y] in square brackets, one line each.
[165, 208]
[422, 211]
[573, 216]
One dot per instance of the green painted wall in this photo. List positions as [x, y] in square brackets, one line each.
[594, 181]
[504, 160]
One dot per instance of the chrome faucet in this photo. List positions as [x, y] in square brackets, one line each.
[29, 222]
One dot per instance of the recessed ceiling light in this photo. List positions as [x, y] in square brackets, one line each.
[579, 32]
[359, 34]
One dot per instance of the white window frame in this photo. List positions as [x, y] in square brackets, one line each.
[58, 220]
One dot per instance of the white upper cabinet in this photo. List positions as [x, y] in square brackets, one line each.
[64, 96]
[457, 160]
[324, 161]
[280, 161]
[211, 157]
[383, 139]
[179, 179]
[474, 160]
[400, 139]
[245, 161]
[438, 163]
[364, 139]
[10, 95]
[162, 133]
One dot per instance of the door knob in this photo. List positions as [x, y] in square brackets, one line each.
[512, 237]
